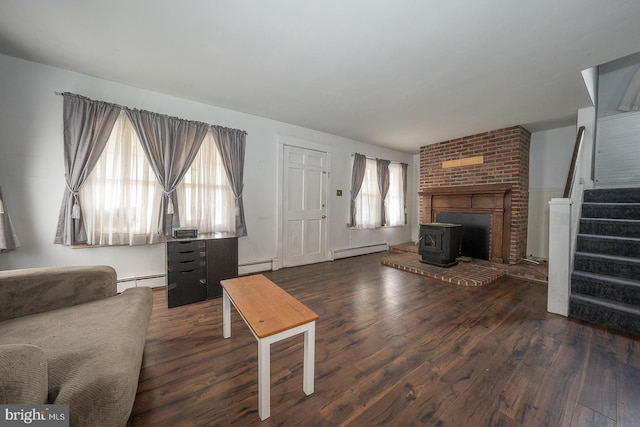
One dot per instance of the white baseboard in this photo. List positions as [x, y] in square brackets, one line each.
[251, 267]
[359, 250]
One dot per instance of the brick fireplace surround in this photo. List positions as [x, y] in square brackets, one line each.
[497, 185]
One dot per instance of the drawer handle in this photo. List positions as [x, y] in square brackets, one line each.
[188, 271]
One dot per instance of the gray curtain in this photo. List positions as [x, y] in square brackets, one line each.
[404, 188]
[170, 144]
[231, 146]
[357, 176]
[87, 126]
[383, 186]
[8, 239]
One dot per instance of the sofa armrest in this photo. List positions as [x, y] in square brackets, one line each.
[23, 374]
[34, 290]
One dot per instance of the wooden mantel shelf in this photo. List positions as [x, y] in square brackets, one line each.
[468, 189]
[491, 199]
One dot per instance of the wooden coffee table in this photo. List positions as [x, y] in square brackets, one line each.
[272, 315]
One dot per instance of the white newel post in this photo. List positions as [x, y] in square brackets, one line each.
[559, 256]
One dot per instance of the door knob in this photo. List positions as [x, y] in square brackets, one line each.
[323, 216]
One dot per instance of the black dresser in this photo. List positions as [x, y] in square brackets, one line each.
[196, 266]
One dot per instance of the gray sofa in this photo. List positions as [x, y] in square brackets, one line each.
[67, 337]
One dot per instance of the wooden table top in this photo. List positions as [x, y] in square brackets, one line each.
[267, 308]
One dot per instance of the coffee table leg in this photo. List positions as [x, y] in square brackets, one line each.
[264, 379]
[226, 315]
[309, 358]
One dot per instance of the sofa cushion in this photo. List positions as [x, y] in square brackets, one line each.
[34, 290]
[94, 353]
[23, 374]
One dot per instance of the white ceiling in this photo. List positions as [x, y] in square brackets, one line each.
[395, 73]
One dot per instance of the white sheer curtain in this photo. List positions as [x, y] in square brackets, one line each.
[121, 197]
[369, 200]
[395, 196]
[205, 197]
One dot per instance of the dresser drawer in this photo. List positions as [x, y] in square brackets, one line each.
[175, 257]
[184, 246]
[187, 266]
[197, 275]
[186, 287]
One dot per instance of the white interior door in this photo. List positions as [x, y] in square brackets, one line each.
[304, 206]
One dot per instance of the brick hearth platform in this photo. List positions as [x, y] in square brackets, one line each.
[468, 273]
[465, 273]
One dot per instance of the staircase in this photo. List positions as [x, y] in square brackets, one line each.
[605, 282]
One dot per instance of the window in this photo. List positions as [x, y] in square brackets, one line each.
[121, 197]
[395, 196]
[369, 200]
[205, 198]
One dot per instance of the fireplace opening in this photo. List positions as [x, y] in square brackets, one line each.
[476, 230]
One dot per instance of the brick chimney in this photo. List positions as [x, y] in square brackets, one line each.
[489, 159]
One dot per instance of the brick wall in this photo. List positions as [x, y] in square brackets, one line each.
[505, 161]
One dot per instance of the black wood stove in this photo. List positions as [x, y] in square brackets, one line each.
[440, 243]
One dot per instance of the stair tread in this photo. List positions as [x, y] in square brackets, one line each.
[604, 277]
[605, 236]
[612, 305]
[613, 190]
[625, 220]
[621, 227]
[610, 219]
[626, 204]
[631, 260]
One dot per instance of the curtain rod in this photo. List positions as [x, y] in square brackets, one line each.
[374, 158]
[127, 108]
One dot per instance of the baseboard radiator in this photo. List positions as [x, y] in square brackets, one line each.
[160, 280]
[358, 250]
[257, 266]
[248, 267]
[150, 280]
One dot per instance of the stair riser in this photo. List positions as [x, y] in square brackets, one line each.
[627, 195]
[628, 248]
[605, 316]
[601, 288]
[611, 296]
[611, 211]
[607, 267]
[610, 228]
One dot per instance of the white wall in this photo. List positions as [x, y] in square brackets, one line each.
[617, 141]
[549, 160]
[32, 172]
[613, 80]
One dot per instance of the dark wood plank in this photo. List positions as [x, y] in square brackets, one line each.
[600, 392]
[392, 348]
[583, 416]
[629, 396]
[524, 382]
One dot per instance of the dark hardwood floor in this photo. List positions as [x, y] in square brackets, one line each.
[392, 349]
